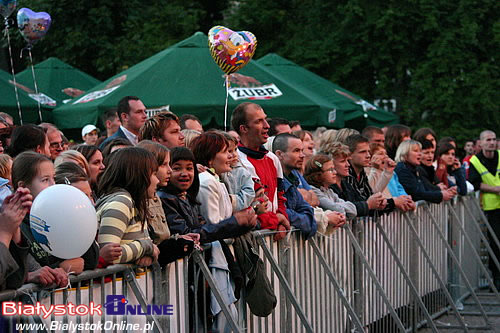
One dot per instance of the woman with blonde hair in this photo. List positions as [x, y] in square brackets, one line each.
[75, 157]
[341, 154]
[326, 139]
[189, 135]
[344, 133]
[408, 157]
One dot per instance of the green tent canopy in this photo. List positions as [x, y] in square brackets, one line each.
[27, 101]
[357, 113]
[185, 79]
[53, 76]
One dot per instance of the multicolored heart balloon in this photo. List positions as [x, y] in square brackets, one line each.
[7, 7]
[231, 50]
[33, 26]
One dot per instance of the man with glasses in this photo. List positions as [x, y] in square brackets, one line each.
[55, 140]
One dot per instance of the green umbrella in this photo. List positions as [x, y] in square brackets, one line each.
[54, 76]
[185, 79]
[27, 101]
[356, 111]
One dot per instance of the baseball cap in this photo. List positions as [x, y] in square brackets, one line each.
[87, 129]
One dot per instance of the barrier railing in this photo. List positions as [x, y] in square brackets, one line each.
[394, 273]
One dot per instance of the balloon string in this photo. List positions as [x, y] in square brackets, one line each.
[36, 87]
[225, 106]
[12, 71]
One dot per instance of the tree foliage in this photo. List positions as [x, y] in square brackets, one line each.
[105, 37]
[436, 58]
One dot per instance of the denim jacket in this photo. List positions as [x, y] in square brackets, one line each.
[300, 213]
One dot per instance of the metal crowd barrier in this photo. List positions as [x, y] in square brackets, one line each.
[395, 273]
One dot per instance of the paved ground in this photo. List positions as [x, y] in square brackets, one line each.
[490, 305]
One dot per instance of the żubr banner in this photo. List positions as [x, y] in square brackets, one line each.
[267, 91]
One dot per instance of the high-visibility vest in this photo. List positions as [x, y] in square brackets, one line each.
[490, 201]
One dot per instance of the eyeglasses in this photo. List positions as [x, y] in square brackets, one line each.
[332, 170]
[56, 145]
[3, 121]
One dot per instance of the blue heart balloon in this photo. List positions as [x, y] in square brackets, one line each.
[33, 26]
[7, 7]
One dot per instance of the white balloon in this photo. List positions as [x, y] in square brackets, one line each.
[63, 221]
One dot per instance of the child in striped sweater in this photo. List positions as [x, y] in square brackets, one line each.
[122, 209]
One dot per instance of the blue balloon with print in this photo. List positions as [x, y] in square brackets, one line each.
[7, 7]
[32, 25]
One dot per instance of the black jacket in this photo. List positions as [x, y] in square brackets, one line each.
[413, 184]
[183, 217]
[13, 265]
[91, 257]
[348, 193]
[428, 175]
[118, 134]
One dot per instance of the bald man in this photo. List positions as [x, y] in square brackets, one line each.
[484, 175]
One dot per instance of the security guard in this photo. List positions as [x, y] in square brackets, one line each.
[484, 174]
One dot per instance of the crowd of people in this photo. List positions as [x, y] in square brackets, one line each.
[162, 185]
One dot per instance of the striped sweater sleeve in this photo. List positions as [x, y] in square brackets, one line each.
[118, 225]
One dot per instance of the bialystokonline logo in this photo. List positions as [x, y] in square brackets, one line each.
[118, 305]
[115, 305]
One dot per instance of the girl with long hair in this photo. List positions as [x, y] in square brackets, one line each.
[122, 209]
[321, 174]
[36, 172]
[172, 246]
[394, 136]
[449, 170]
[94, 158]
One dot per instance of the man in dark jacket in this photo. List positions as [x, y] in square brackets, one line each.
[288, 148]
[132, 114]
[357, 178]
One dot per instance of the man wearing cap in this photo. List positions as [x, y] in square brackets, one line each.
[89, 135]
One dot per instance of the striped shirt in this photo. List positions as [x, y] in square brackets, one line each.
[116, 215]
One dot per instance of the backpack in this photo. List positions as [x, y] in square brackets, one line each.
[259, 293]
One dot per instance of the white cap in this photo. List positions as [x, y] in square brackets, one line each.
[87, 129]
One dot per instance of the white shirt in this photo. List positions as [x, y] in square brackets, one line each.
[130, 136]
[215, 200]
